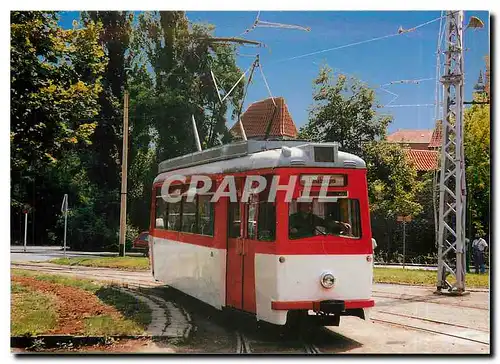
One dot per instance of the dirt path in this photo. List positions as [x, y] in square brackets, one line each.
[73, 306]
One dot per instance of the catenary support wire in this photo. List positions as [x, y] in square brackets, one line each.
[357, 43]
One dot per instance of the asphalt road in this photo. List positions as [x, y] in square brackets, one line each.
[44, 253]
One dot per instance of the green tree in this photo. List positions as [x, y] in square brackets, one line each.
[394, 189]
[477, 160]
[55, 86]
[103, 159]
[393, 186]
[170, 80]
[181, 57]
[344, 111]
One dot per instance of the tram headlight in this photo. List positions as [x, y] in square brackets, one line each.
[327, 280]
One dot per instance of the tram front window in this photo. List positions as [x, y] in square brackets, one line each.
[339, 218]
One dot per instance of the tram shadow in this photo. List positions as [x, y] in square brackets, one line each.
[216, 330]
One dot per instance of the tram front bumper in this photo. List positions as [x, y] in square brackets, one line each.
[330, 307]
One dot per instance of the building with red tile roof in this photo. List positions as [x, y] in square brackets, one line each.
[437, 136]
[258, 115]
[417, 139]
[423, 160]
[421, 146]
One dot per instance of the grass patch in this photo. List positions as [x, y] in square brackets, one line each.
[423, 277]
[128, 305]
[136, 315]
[126, 263]
[35, 313]
[32, 313]
[104, 325]
[85, 284]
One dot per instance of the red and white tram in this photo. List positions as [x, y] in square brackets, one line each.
[277, 260]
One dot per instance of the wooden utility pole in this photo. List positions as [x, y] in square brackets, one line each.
[404, 220]
[123, 202]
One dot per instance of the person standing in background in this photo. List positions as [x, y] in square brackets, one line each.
[478, 247]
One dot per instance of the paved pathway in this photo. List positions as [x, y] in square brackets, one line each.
[159, 315]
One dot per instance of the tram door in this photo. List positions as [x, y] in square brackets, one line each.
[234, 271]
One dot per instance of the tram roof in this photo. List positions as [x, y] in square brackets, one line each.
[259, 154]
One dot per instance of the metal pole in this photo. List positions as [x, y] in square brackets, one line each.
[196, 136]
[452, 191]
[65, 229]
[404, 242]
[25, 230]
[123, 202]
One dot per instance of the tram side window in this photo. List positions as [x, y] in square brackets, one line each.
[160, 210]
[189, 219]
[174, 216]
[261, 221]
[205, 215]
[267, 221]
[234, 220]
[253, 207]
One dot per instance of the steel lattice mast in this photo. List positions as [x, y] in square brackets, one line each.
[452, 200]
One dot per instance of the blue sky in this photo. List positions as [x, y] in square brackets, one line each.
[405, 57]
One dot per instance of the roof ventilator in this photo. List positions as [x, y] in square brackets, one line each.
[349, 164]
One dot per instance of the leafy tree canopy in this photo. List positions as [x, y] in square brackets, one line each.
[344, 111]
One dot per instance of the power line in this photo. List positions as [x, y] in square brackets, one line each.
[410, 105]
[237, 82]
[396, 96]
[265, 81]
[215, 84]
[417, 81]
[360, 42]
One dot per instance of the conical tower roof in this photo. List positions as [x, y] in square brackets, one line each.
[257, 116]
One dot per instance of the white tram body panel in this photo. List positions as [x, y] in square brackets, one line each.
[196, 270]
[298, 279]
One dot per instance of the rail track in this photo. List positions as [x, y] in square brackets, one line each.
[132, 279]
[278, 345]
[242, 344]
[432, 299]
[310, 348]
[429, 330]
[432, 321]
